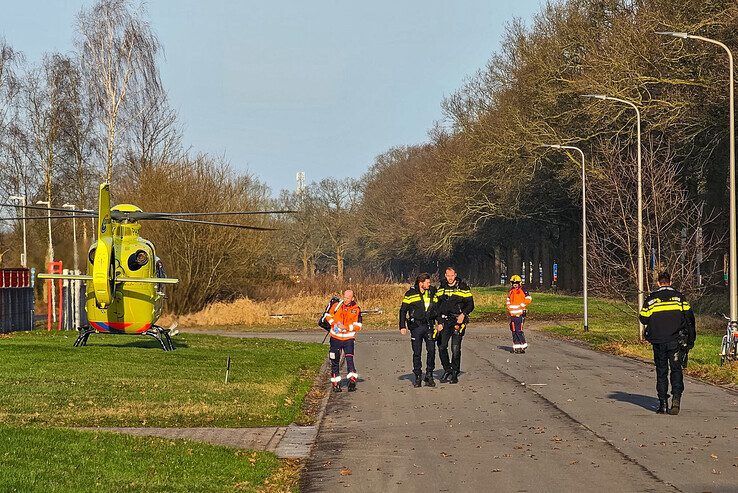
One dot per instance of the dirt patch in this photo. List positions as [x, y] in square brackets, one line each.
[286, 478]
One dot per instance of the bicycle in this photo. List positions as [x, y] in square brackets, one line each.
[729, 346]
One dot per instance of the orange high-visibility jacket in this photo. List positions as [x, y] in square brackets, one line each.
[345, 320]
[517, 301]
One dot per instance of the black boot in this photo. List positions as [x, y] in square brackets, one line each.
[337, 387]
[417, 381]
[429, 382]
[675, 403]
[352, 385]
[454, 377]
[663, 406]
[445, 377]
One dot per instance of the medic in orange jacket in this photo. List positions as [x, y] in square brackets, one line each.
[344, 319]
[518, 299]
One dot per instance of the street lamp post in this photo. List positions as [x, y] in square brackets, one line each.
[74, 233]
[733, 274]
[641, 292]
[584, 227]
[92, 218]
[22, 200]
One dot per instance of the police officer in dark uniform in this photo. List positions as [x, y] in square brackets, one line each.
[455, 303]
[418, 313]
[670, 328]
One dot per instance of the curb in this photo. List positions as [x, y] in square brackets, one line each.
[298, 441]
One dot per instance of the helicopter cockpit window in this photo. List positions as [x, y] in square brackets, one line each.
[91, 255]
[137, 260]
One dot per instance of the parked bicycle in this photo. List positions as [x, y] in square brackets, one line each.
[729, 346]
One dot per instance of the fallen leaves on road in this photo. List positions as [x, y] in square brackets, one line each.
[346, 472]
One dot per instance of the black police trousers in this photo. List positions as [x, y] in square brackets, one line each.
[418, 334]
[668, 360]
[448, 334]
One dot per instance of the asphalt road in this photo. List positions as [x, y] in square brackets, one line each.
[558, 418]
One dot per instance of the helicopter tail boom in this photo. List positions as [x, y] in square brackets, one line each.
[150, 280]
[82, 277]
[75, 277]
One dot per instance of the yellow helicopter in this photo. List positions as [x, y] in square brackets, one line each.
[125, 280]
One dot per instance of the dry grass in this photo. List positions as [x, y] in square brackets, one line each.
[297, 308]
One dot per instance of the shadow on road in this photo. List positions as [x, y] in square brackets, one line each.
[644, 401]
[437, 374]
[509, 349]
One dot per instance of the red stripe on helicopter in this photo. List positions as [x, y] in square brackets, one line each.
[119, 327]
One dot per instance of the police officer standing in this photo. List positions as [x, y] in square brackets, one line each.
[418, 313]
[455, 303]
[670, 328]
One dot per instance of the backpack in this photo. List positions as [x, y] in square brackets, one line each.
[322, 322]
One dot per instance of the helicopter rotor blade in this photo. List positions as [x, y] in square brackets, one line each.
[236, 213]
[138, 216]
[56, 209]
[213, 223]
[21, 218]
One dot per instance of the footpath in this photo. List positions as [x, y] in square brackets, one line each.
[561, 417]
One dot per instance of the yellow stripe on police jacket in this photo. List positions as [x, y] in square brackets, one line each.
[664, 306]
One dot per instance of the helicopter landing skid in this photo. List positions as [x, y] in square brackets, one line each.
[162, 335]
[84, 334]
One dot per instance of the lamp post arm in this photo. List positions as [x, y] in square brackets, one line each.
[733, 274]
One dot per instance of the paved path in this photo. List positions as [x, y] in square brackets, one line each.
[287, 442]
[558, 418]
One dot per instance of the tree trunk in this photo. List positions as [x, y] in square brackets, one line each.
[496, 266]
[339, 264]
[546, 263]
[535, 280]
[516, 264]
[305, 264]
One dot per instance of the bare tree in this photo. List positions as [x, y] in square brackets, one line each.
[118, 52]
[44, 106]
[154, 136]
[674, 224]
[9, 90]
[302, 233]
[211, 262]
[337, 202]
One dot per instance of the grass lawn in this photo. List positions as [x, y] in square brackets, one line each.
[613, 327]
[489, 303]
[45, 383]
[127, 381]
[55, 460]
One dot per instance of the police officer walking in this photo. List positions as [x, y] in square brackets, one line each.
[418, 313]
[670, 328]
[455, 303]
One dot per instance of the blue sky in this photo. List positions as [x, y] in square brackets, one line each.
[283, 86]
